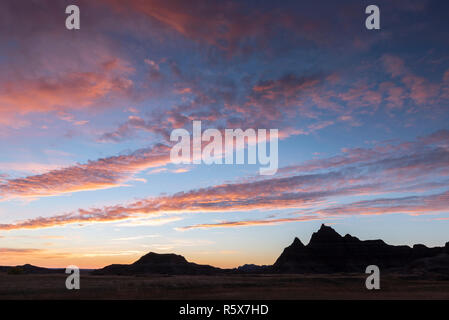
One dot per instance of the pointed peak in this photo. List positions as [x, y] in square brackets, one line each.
[325, 234]
[324, 227]
[297, 243]
[348, 237]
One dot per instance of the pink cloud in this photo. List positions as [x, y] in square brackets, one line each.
[249, 223]
[406, 167]
[99, 174]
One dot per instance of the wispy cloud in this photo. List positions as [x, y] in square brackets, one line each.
[148, 222]
[413, 205]
[248, 223]
[94, 175]
[137, 237]
[405, 167]
[19, 251]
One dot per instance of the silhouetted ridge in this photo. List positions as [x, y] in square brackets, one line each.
[325, 235]
[29, 269]
[154, 263]
[155, 258]
[251, 268]
[329, 252]
[297, 243]
[326, 252]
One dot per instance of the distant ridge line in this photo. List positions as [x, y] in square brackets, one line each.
[326, 252]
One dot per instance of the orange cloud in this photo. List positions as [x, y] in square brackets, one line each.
[99, 174]
[48, 70]
[248, 223]
[18, 251]
[406, 167]
[416, 205]
[71, 90]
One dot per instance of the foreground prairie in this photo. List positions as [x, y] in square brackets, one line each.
[336, 286]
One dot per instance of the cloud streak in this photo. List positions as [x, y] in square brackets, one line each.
[93, 175]
[406, 167]
[249, 223]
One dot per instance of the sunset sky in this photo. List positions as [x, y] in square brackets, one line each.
[86, 115]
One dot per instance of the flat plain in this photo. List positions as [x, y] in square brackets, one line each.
[267, 286]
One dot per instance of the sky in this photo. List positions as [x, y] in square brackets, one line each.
[86, 116]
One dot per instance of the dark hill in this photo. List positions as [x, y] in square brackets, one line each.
[154, 263]
[29, 269]
[327, 252]
[252, 269]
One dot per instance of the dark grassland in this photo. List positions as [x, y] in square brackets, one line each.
[336, 286]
